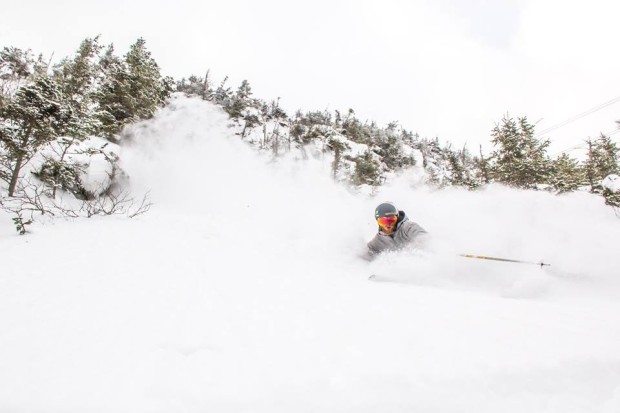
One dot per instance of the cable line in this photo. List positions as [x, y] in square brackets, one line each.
[579, 116]
[583, 146]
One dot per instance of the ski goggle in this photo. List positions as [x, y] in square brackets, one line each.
[385, 222]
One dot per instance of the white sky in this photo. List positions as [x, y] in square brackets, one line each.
[444, 68]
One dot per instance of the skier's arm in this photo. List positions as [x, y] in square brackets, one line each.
[415, 234]
[378, 244]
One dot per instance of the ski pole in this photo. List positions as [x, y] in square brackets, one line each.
[483, 257]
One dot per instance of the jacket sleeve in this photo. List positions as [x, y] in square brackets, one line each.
[415, 234]
[378, 244]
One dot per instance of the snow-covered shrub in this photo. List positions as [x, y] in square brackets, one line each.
[611, 190]
[84, 168]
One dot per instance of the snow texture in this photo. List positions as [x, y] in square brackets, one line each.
[242, 290]
[612, 182]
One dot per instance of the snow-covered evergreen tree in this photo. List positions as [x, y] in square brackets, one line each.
[113, 93]
[367, 171]
[434, 162]
[567, 174]
[519, 159]
[601, 161]
[146, 84]
[611, 190]
[223, 93]
[240, 100]
[17, 67]
[196, 86]
[132, 88]
[37, 115]
[354, 129]
[78, 77]
[390, 147]
[462, 168]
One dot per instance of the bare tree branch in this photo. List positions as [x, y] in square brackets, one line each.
[116, 203]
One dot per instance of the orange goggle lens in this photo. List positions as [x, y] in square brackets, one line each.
[387, 221]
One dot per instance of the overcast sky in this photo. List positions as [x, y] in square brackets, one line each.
[445, 68]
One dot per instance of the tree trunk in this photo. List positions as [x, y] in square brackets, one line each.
[336, 163]
[276, 141]
[15, 176]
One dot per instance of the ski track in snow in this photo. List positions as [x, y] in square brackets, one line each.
[242, 290]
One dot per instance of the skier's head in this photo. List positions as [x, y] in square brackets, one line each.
[386, 215]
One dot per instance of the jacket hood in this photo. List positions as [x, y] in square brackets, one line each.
[402, 217]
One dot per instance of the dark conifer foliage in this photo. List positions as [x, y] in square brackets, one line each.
[47, 112]
[17, 67]
[519, 159]
[131, 89]
[95, 92]
[196, 86]
[38, 114]
[602, 160]
[567, 174]
[78, 77]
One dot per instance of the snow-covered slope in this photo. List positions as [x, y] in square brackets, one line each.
[242, 290]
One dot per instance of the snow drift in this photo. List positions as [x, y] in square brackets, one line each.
[243, 290]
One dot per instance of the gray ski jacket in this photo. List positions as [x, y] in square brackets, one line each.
[407, 233]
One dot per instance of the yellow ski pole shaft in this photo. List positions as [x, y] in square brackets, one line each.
[484, 257]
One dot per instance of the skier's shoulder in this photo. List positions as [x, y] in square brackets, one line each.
[411, 227]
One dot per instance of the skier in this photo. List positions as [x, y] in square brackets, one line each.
[395, 232]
